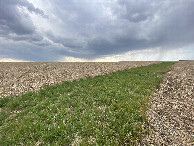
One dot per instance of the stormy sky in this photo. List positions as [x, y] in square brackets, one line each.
[96, 30]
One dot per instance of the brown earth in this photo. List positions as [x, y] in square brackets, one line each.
[17, 78]
[171, 113]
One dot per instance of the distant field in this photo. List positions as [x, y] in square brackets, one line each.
[105, 110]
[17, 78]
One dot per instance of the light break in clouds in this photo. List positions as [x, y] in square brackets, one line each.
[97, 30]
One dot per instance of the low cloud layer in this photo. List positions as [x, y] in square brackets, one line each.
[50, 30]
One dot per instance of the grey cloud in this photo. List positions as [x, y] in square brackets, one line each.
[31, 7]
[174, 27]
[97, 32]
[28, 51]
[11, 21]
[103, 47]
[30, 38]
[137, 11]
[95, 28]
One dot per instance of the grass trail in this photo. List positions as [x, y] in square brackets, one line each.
[105, 110]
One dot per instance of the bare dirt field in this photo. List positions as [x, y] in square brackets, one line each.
[171, 113]
[17, 78]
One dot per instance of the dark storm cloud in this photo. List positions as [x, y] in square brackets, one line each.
[11, 21]
[167, 25]
[95, 28]
[28, 52]
[124, 25]
[105, 47]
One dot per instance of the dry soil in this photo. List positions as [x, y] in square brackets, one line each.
[17, 78]
[171, 113]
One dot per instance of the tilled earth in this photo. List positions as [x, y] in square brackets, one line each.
[171, 113]
[17, 78]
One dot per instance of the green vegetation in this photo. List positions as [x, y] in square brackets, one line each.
[105, 110]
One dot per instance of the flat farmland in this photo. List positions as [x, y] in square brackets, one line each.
[106, 109]
[123, 103]
[17, 78]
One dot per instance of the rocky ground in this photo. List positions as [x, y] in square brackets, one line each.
[171, 113]
[17, 78]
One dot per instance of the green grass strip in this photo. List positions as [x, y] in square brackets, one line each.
[104, 110]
